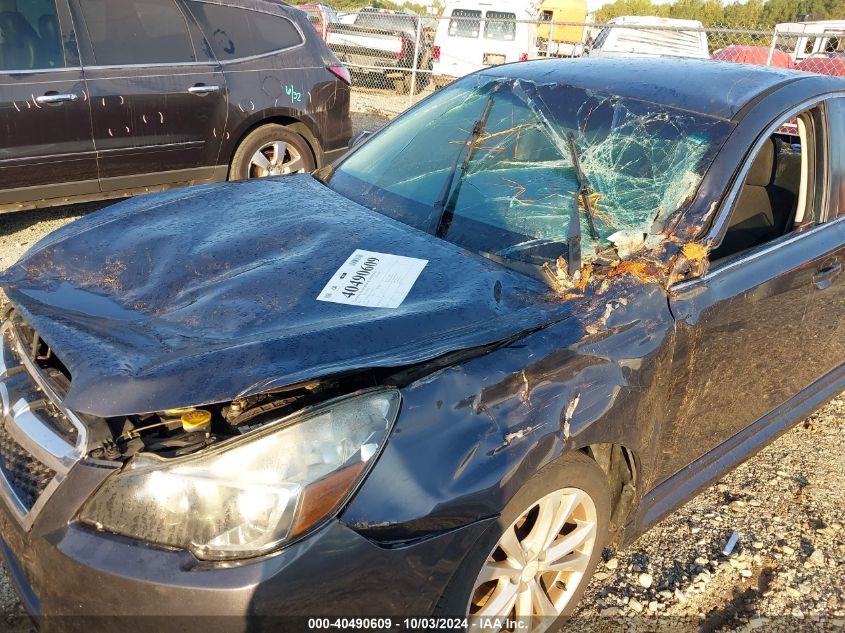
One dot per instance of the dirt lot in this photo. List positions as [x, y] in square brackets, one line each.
[786, 573]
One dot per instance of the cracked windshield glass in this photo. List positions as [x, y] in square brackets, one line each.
[489, 164]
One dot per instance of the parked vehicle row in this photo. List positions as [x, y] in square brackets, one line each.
[471, 36]
[526, 319]
[105, 98]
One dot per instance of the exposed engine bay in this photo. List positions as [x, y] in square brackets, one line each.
[178, 432]
[175, 433]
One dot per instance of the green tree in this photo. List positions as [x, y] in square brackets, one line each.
[745, 14]
[630, 7]
[777, 11]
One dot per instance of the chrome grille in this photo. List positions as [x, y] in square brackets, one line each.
[27, 477]
[40, 440]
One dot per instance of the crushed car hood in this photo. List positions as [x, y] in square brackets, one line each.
[203, 295]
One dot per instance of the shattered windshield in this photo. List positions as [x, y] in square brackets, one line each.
[514, 183]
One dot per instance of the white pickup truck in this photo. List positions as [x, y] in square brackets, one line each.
[383, 43]
[651, 36]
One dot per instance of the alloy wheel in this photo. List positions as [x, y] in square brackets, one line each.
[276, 158]
[538, 562]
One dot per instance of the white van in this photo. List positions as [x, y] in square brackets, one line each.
[651, 36]
[472, 35]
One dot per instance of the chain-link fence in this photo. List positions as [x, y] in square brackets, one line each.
[398, 58]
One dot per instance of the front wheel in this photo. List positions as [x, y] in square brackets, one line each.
[533, 565]
[271, 150]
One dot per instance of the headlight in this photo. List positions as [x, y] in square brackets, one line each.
[249, 497]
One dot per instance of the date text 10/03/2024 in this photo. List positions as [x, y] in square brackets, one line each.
[419, 624]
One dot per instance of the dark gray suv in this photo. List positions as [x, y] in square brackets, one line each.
[105, 98]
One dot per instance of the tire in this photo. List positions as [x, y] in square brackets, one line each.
[423, 80]
[269, 140]
[402, 85]
[575, 472]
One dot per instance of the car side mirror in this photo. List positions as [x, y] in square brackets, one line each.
[360, 138]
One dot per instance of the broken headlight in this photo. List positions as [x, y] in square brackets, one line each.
[249, 497]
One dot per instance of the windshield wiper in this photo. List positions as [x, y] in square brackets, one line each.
[530, 97]
[444, 208]
[573, 240]
[584, 190]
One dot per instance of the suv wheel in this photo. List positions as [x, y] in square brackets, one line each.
[271, 150]
[534, 564]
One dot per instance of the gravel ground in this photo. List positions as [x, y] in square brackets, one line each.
[786, 572]
[382, 101]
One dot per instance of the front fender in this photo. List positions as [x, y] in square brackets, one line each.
[469, 436]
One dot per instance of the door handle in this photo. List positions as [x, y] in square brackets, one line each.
[202, 89]
[824, 276]
[52, 98]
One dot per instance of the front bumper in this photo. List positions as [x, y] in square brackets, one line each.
[72, 578]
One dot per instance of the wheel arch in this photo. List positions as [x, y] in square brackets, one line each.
[621, 467]
[295, 124]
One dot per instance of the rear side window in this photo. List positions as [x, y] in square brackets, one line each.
[465, 23]
[137, 32]
[235, 33]
[500, 26]
[386, 21]
[601, 38]
[30, 38]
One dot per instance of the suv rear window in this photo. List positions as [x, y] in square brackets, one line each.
[465, 23]
[500, 26]
[234, 32]
[137, 32]
[386, 21]
[30, 37]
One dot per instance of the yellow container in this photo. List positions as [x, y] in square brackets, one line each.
[568, 16]
[196, 421]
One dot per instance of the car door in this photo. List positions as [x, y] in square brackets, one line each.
[46, 148]
[158, 101]
[832, 301]
[751, 332]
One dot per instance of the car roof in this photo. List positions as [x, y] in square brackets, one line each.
[712, 88]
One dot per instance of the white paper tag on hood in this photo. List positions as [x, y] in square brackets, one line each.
[373, 280]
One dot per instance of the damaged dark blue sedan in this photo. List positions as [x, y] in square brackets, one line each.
[527, 319]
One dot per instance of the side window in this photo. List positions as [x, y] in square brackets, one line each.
[834, 45]
[30, 38]
[602, 37]
[499, 25]
[836, 124]
[137, 32]
[780, 191]
[273, 33]
[809, 45]
[386, 21]
[465, 23]
[234, 33]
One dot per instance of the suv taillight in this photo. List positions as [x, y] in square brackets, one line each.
[523, 57]
[403, 44]
[342, 73]
[436, 54]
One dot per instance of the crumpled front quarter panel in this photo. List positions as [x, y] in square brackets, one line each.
[470, 435]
